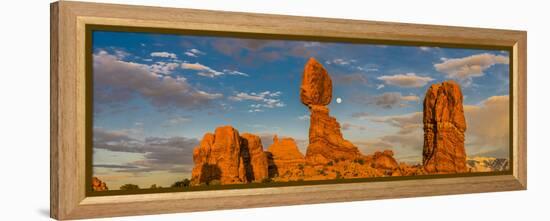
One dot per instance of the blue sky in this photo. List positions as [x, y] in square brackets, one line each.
[156, 95]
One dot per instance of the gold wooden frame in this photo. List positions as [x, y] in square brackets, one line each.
[68, 199]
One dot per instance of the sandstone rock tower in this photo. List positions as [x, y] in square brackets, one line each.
[444, 127]
[326, 142]
[229, 158]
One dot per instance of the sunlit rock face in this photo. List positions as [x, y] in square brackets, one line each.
[444, 127]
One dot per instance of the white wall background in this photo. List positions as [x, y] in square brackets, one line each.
[24, 110]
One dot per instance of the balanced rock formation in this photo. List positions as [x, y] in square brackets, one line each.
[326, 142]
[98, 185]
[284, 156]
[229, 158]
[256, 164]
[444, 127]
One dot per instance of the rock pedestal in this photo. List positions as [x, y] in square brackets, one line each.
[444, 127]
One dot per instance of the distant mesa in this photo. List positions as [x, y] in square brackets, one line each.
[227, 157]
[98, 185]
[487, 164]
[444, 127]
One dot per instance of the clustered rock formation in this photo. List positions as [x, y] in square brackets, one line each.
[444, 127]
[284, 156]
[98, 185]
[231, 158]
[326, 142]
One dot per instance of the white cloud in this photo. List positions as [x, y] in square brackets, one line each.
[350, 126]
[190, 54]
[203, 70]
[117, 80]
[468, 67]
[304, 117]
[392, 99]
[405, 80]
[176, 121]
[206, 71]
[341, 61]
[406, 123]
[194, 52]
[232, 72]
[424, 48]
[265, 99]
[380, 86]
[164, 55]
[163, 67]
[488, 127]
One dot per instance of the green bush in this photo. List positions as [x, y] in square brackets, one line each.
[154, 186]
[330, 163]
[182, 184]
[129, 186]
[267, 180]
[214, 183]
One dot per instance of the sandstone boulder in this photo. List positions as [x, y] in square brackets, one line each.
[444, 127]
[98, 185]
[316, 88]
[384, 160]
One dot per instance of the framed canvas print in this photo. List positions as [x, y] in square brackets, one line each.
[160, 110]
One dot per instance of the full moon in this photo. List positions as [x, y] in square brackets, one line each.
[338, 100]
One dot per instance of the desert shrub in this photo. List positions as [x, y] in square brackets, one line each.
[129, 186]
[154, 186]
[182, 184]
[321, 172]
[338, 175]
[214, 183]
[301, 166]
[359, 161]
[267, 180]
[330, 163]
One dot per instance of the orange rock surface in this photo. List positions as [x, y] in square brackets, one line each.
[98, 185]
[218, 157]
[284, 156]
[229, 158]
[255, 159]
[384, 160]
[316, 88]
[444, 127]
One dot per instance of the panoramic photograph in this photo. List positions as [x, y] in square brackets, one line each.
[182, 111]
